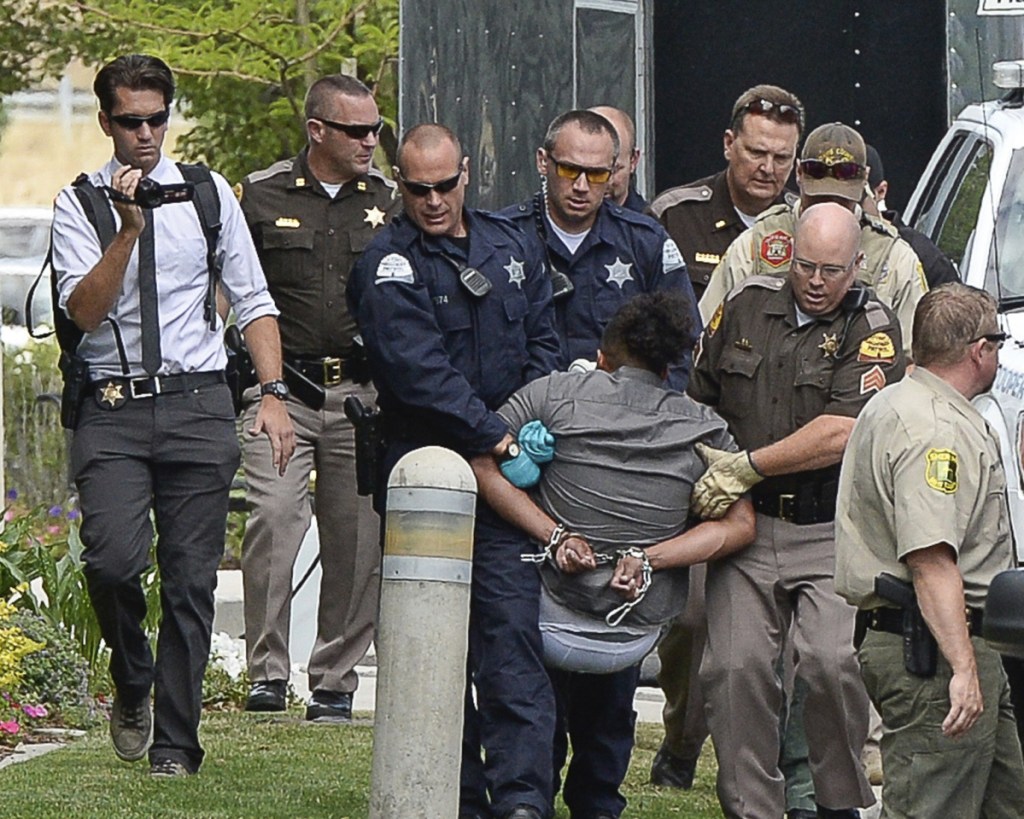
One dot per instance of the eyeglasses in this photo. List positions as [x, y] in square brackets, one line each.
[843, 171]
[995, 338]
[133, 123]
[566, 170]
[353, 131]
[786, 113]
[424, 188]
[829, 272]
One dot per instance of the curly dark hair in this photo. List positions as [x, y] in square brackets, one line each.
[652, 329]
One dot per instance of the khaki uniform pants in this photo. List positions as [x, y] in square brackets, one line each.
[349, 545]
[784, 577]
[928, 776]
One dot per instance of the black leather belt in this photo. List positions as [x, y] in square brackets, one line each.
[890, 620]
[802, 507]
[113, 391]
[324, 371]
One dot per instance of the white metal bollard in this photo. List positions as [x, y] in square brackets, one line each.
[423, 636]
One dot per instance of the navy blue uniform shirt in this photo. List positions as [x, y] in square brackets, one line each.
[624, 254]
[442, 359]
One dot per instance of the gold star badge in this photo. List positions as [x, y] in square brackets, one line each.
[112, 394]
[829, 345]
[374, 215]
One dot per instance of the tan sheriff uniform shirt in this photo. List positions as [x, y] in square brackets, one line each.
[767, 376]
[922, 467]
[890, 266]
[308, 243]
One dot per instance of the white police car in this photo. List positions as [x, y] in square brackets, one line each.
[970, 202]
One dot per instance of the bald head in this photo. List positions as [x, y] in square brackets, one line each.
[629, 156]
[826, 256]
[427, 138]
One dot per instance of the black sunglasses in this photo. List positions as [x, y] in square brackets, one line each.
[997, 338]
[784, 112]
[424, 188]
[133, 123]
[353, 131]
[843, 171]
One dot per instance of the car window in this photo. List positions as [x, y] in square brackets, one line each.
[1007, 254]
[961, 215]
[23, 238]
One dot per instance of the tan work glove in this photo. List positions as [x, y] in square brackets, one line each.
[728, 477]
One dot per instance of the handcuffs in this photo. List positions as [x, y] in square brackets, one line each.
[562, 534]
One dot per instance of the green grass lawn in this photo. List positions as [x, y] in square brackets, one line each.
[271, 767]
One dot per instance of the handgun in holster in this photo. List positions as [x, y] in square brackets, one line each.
[75, 372]
[920, 650]
[370, 444]
[240, 372]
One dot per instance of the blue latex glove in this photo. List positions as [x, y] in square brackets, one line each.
[537, 442]
[521, 471]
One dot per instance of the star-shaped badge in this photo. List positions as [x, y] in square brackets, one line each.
[515, 272]
[829, 345]
[618, 273]
[375, 216]
[112, 394]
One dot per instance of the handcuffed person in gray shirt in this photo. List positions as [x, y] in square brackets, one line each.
[612, 506]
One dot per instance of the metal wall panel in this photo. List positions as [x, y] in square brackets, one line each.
[970, 34]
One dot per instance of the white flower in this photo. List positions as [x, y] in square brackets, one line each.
[226, 654]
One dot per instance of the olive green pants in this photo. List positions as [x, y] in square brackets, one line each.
[927, 774]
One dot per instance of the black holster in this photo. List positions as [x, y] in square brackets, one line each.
[75, 372]
[370, 444]
[920, 650]
[240, 372]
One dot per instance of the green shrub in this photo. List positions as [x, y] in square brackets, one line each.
[56, 674]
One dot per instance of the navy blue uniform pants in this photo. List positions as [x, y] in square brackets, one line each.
[174, 456]
[595, 714]
[512, 718]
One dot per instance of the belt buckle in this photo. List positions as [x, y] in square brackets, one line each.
[135, 393]
[332, 371]
[783, 513]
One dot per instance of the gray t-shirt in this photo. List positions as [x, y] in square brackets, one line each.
[624, 468]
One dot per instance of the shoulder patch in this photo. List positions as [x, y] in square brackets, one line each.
[777, 248]
[940, 470]
[394, 268]
[877, 347]
[766, 282]
[284, 166]
[675, 196]
[671, 258]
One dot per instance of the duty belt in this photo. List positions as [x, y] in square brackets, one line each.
[890, 620]
[113, 391]
[324, 371]
[802, 498]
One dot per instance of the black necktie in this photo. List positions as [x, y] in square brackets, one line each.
[151, 356]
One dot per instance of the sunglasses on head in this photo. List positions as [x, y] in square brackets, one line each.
[424, 188]
[133, 123]
[353, 131]
[786, 113]
[843, 171]
[566, 170]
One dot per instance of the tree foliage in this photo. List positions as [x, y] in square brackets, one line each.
[242, 66]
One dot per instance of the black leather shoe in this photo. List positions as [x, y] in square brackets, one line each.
[267, 695]
[838, 813]
[524, 812]
[671, 771]
[330, 706]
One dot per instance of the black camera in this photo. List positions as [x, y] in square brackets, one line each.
[150, 194]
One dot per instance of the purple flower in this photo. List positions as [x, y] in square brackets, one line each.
[74, 514]
[12, 494]
[55, 512]
[34, 711]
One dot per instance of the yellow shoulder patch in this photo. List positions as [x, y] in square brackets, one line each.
[716, 319]
[941, 470]
[877, 347]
